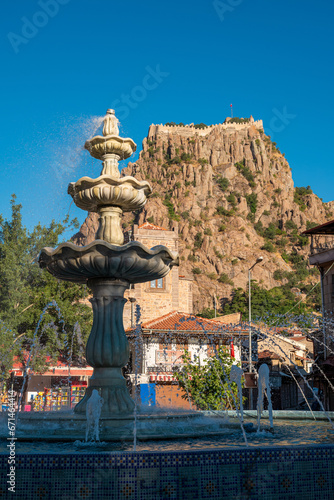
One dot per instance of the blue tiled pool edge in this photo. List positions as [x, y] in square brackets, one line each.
[275, 473]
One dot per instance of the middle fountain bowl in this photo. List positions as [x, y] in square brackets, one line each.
[132, 262]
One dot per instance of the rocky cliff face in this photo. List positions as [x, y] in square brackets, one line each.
[230, 193]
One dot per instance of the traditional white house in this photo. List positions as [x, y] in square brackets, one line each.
[158, 346]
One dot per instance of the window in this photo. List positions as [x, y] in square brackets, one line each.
[182, 346]
[157, 284]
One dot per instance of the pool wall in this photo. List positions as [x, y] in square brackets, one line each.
[273, 473]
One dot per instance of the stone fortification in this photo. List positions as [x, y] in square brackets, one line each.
[191, 130]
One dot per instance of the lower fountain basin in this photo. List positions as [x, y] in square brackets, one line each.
[214, 467]
[132, 262]
[70, 426]
[207, 427]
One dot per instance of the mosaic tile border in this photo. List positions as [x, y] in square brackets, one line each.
[274, 473]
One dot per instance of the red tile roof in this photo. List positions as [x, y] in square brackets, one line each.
[184, 322]
[268, 355]
[148, 225]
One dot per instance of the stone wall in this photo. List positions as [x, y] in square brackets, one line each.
[176, 294]
[190, 130]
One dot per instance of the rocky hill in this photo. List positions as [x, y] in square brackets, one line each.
[229, 192]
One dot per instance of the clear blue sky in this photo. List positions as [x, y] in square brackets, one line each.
[62, 67]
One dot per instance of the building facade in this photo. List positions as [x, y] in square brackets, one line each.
[158, 297]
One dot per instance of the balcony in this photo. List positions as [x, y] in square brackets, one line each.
[322, 238]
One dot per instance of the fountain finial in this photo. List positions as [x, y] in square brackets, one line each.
[110, 123]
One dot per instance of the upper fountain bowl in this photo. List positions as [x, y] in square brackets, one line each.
[99, 146]
[110, 143]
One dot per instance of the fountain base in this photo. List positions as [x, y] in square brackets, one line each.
[70, 426]
[111, 386]
[151, 424]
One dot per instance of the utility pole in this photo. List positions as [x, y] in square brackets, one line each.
[258, 260]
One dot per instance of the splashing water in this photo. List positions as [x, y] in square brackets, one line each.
[66, 153]
[264, 386]
[236, 374]
[93, 413]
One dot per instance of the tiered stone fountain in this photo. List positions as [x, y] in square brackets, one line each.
[107, 266]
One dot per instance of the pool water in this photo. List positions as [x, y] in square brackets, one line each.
[286, 433]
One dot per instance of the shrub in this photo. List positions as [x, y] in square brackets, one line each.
[225, 279]
[150, 219]
[309, 224]
[207, 313]
[218, 254]
[223, 211]
[196, 270]
[222, 228]
[232, 199]
[278, 275]
[186, 157]
[198, 240]
[252, 202]
[208, 232]
[192, 257]
[290, 225]
[202, 161]
[270, 231]
[212, 276]
[303, 241]
[171, 211]
[223, 183]
[239, 120]
[246, 172]
[299, 195]
[268, 246]
[259, 228]
[282, 242]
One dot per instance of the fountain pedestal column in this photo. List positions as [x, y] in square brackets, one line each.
[110, 228]
[107, 349]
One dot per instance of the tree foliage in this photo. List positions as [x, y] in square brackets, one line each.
[266, 304]
[26, 292]
[207, 385]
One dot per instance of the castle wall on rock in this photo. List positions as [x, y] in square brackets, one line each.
[155, 299]
[190, 130]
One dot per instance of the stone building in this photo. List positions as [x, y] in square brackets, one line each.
[158, 297]
[322, 256]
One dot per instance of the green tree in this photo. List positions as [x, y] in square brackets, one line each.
[26, 292]
[207, 313]
[207, 385]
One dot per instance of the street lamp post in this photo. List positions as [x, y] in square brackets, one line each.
[258, 260]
